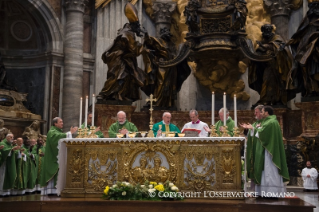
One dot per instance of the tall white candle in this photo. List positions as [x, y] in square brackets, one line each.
[213, 108]
[93, 108]
[235, 110]
[86, 110]
[224, 102]
[80, 119]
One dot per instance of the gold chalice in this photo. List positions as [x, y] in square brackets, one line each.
[181, 134]
[119, 135]
[143, 133]
[132, 134]
[170, 134]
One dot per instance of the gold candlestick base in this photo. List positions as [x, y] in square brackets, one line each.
[236, 132]
[80, 133]
[213, 131]
[85, 132]
[150, 133]
[92, 133]
[225, 132]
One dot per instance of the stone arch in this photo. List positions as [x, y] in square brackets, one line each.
[45, 15]
[31, 64]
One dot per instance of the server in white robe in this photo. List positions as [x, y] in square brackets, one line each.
[309, 177]
[196, 124]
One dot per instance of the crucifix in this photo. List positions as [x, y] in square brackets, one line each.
[151, 100]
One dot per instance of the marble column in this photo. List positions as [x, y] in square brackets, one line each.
[73, 62]
[280, 11]
[162, 13]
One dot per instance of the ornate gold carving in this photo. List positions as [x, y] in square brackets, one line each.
[199, 168]
[151, 163]
[77, 166]
[227, 166]
[193, 165]
[101, 167]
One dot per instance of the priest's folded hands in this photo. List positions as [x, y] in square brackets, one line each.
[2, 146]
[123, 131]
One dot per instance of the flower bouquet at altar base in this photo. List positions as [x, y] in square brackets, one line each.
[149, 191]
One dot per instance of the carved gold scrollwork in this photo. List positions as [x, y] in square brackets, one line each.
[101, 168]
[76, 167]
[227, 166]
[199, 168]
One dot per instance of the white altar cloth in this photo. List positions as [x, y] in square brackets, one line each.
[62, 156]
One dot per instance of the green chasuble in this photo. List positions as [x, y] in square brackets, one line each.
[33, 168]
[10, 172]
[270, 138]
[20, 164]
[230, 126]
[250, 151]
[50, 165]
[115, 127]
[98, 133]
[172, 128]
[40, 164]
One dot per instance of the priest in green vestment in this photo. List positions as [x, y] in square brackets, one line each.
[33, 166]
[40, 153]
[270, 166]
[50, 165]
[165, 126]
[251, 144]
[89, 124]
[21, 164]
[8, 171]
[229, 123]
[121, 126]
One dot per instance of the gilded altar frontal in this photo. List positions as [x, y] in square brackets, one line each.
[195, 166]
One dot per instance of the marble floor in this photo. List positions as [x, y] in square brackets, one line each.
[310, 197]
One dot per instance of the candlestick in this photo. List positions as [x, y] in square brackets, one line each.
[80, 118]
[224, 102]
[86, 110]
[93, 109]
[235, 110]
[213, 108]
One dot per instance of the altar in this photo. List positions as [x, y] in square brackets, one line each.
[193, 164]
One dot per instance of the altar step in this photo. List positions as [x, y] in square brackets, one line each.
[38, 203]
[293, 188]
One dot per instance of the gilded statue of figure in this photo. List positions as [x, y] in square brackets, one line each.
[124, 77]
[33, 131]
[270, 79]
[140, 173]
[305, 47]
[159, 173]
[3, 131]
[163, 83]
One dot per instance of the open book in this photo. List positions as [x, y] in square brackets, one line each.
[191, 132]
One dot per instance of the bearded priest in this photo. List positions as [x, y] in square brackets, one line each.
[122, 126]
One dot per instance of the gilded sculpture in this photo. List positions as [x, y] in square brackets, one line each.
[33, 131]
